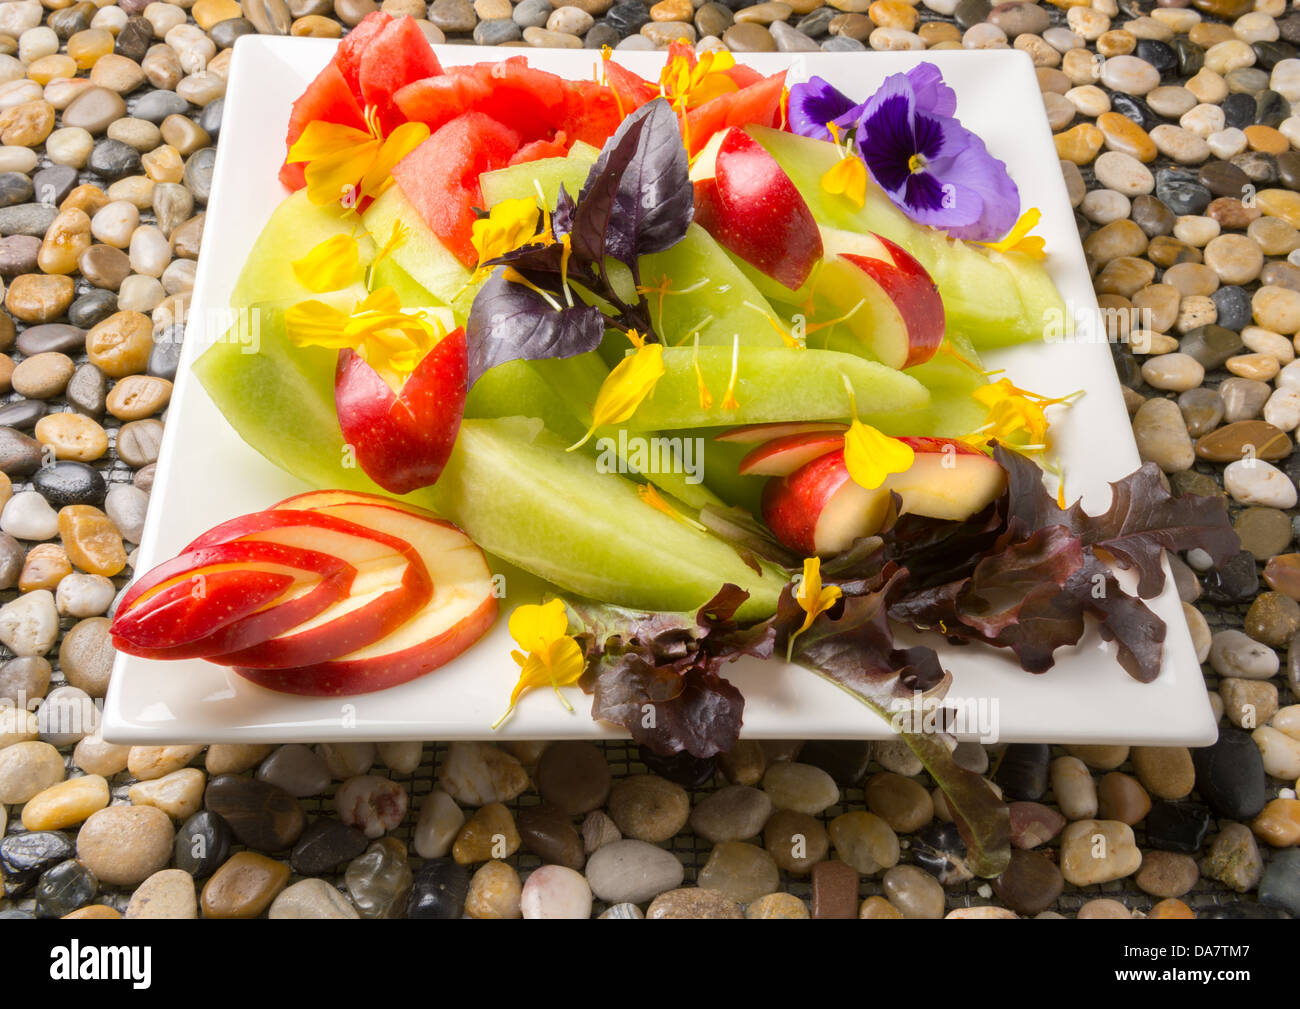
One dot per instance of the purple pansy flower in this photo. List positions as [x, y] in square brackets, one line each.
[932, 167]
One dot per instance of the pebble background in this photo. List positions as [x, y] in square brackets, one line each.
[1174, 128]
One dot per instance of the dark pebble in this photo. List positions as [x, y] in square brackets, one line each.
[1030, 884]
[135, 38]
[261, 816]
[55, 336]
[114, 160]
[1289, 28]
[939, 850]
[818, 23]
[53, 184]
[1288, 169]
[550, 835]
[1280, 885]
[1152, 216]
[1271, 108]
[198, 173]
[1259, 166]
[1211, 345]
[63, 888]
[1023, 771]
[685, 770]
[158, 105]
[166, 354]
[15, 187]
[87, 390]
[1222, 178]
[19, 455]
[573, 777]
[32, 219]
[1191, 57]
[18, 256]
[1134, 108]
[438, 890]
[1234, 582]
[210, 117]
[202, 844]
[325, 845]
[1177, 826]
[67, 21]
[1230, 775]
[1127, 368]
[845, 760]
[1238, 111]
[1179, 190]
[68, 482]
[1234, 308]
[1159, 54]
[92, 308]
[23, 857]
[225, 34]
[23, 414]
[599, 36]
[1270, 54]
[972, 12]
[15, 913]
[1242, 910]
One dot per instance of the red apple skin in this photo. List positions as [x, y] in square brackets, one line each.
[753, 434]
[156, 629]
[339, 637]
[914, 293]
[783, 456]
[402, 440]
[177, 613]
[954, 493]
[792, 504]
[752, 207]
[929, 443]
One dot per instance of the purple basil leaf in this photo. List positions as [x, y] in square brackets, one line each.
[638, 196]
[509, 321]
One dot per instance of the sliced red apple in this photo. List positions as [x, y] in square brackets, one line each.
[819, 509]
[947, 480]
[783, 456]
[893, 308]
[746, 201]
[461, 610]
[753, 434]
[391, 585]
[175, 611]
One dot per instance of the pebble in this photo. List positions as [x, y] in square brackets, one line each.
[1098, 851]
[311, 898]
[1233, 858]
[554, 891]
[379, 881]
[260, 815]
[168, 893]
[244, 886]
[915, 893]
[124, 845]
[647, 807]
[1230, 775]
[573, 777]
[479, 773]
[692, 902]
[865, 841]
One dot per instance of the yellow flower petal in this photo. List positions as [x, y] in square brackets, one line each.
[534, 627]
[847, 178]
[315, 324]
[872, 456]
[397, 145]
[554, 657]
[331, 265]
[1019, 239]
[511, 223]
[813, 598]
[334, 177]
[624, 389]
[322, 139]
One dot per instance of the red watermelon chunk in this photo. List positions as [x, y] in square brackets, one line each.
[352, 49]
[440, 177]
[631, 90]
[539, 149]
[591, 112]
[759, 104]
[327, 98]
[395, 57]
[530, 102]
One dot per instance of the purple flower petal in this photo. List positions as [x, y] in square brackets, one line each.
[813, 105]
[932, 94]
[978, 171]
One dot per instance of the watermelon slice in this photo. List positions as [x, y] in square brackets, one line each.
[327, 98]
[440, 177]
[758, 104]
[539, 149]
[631, 90]
[396, 56]
[530, 102]
[591, 112]
[352, 49]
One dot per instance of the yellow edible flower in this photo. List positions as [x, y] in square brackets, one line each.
[331, 265]
[687, 86]
[550, 654]
[1015, 416]
[848, 176]
[870, 455]
[391, 341]
[624, 389]
[1019, 238]
[511, 223]
[347, 164]
[813, 597]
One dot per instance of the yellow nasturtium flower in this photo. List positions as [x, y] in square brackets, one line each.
[510, 224]
[872, 456]
[346, 164]
[391, 341]
[330, 266]
[813, 597]
[1019, 238]
[848, 176]
[624, 389]
[687, 87]
[1015, 416]
[549, 654]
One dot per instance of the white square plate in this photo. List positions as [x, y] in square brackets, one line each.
[206, 474]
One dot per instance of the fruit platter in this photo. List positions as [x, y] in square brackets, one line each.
[579, 394]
